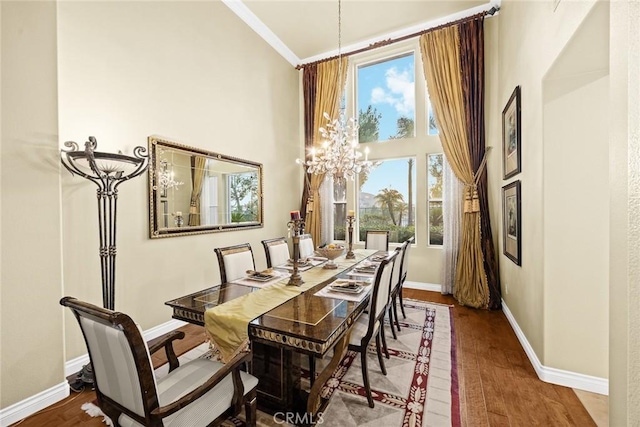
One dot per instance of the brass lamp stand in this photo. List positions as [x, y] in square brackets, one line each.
[296, 227]
[350, 220]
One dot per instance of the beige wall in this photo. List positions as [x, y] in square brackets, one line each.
[31, 341]
[624, 257]
[190, 71]
[550, 303]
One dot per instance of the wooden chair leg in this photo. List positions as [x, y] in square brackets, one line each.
[401, 304]
[380, 358]
[365, 375]
[393, 330]
[384, 338]
[395, 313]
[312, 369]
[250, 408]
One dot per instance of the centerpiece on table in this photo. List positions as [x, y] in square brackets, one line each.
[331, 252]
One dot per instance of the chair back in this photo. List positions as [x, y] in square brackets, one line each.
[276, 250]
[306, 246]
[234, 261]
[122, 368]
[380, 293]
[397, 269]
[377, 239]
[405, 258]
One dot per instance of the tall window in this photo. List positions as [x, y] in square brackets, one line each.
[434, 189]
[387, 199]
[386, 99]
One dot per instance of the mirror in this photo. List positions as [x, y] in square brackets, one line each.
[193, 191]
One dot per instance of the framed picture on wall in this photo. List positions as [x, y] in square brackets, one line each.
[512, 222]
[511, 135]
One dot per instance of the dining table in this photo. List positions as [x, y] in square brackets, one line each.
[286, 327]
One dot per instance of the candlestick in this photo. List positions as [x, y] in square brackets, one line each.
[350, 219]
[296, 225]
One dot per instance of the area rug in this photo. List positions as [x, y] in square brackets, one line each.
[420, 388]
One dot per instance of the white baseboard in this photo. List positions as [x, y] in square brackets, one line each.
[423, 286]
[33, 404]
[553, 375]
[74, 365]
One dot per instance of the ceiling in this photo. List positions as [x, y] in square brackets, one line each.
[307, 30]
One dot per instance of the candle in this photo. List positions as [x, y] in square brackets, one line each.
[295, 214]
[178, 213]
[351, 213]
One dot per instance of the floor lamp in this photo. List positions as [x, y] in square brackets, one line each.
[107, 171]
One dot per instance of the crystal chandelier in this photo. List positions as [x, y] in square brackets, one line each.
[338, 155]
[166, 178]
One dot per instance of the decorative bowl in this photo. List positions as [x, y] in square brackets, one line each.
[330, 253]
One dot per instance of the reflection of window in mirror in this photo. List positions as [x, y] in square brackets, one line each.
[243, 196]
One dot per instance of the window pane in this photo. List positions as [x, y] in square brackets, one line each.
[339, 221]
[436, 224]
[386, 99]
[434, 195]
[433, 127]
[384, 199]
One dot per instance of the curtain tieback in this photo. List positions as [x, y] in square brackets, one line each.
[471, 200]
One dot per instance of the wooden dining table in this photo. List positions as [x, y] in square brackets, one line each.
[311, 323]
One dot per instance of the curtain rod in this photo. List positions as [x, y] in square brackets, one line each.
[387, 42]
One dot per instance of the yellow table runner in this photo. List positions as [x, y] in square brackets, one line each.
[227, 324]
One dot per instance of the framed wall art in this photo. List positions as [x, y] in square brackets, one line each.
[512, 222]
[511, 135]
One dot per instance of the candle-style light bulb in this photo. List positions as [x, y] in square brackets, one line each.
[366, 154]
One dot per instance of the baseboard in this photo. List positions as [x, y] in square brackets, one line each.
[553, 375]
[33, 404]
[74, 365]
[423, 286]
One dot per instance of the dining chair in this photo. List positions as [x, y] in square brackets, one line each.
[276, 250]
[371, 322]
[377, 239]
[234, 261]
[403, 273]
[201, 392]
[306, 246]
[396, 283]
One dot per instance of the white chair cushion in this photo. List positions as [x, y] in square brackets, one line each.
[187, 378]
[359, 329]
[306, 247]
[279, 254]
[237, 264]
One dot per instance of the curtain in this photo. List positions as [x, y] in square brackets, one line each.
[452, 212]
[441, 59]
[328, 92]
[197, 175]
[309, 77]
[472, 66]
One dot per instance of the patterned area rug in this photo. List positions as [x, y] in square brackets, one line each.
[420, 388]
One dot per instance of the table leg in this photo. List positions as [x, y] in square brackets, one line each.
[339, 350]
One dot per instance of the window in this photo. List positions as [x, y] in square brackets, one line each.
[434, 196]
[433, 127]
[387, 199]
[243, 196]
[386, 99]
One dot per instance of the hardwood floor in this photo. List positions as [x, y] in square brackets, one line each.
[498, 386]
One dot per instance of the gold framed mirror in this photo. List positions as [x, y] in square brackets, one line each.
[194, 191]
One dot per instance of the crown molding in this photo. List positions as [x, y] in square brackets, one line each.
[249, 18]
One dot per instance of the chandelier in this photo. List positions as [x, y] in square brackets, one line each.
[166, 178]
[338, 155]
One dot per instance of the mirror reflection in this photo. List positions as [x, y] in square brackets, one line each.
[193, 191]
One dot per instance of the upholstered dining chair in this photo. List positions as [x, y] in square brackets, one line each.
[201, 392]
[276, 250]
[377, 239]
[396, 284]
[403, 274]
[307, 248]
[234, 261]
[370, 324]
